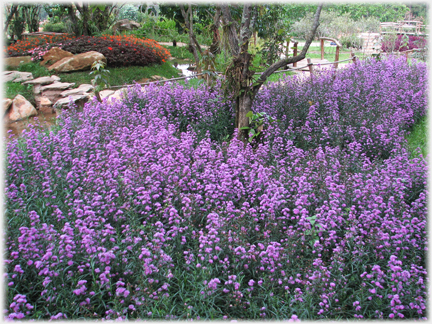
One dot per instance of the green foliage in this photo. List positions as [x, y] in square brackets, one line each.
[334, 24]
[256, 124]
[418, 138]
[101, 80]
[383, 12]
[55, 27]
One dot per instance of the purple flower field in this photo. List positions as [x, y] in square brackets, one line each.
[145, 209]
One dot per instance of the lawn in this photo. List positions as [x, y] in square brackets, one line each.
[152, 209]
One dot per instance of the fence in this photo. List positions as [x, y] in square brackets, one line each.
[309, 66]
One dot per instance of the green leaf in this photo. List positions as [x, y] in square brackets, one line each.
[249, 114]
[244, 127]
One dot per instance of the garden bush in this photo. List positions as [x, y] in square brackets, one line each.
[118, 50]
[129, 210]
[402, 43]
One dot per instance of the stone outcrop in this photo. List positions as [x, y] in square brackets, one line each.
[125, 24]
[16, 61]
[21, 108]
[54, 55]
[16, 76]
[78, 62]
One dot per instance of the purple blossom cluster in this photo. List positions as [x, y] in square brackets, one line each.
[127, 212]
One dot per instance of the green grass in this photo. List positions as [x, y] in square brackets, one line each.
[180, 52]
[418, 138]
[11, 89]
[35, 68]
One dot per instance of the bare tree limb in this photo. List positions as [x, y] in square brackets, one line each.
[293, 59]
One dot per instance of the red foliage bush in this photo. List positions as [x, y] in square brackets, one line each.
[402, 44]
[117, 53]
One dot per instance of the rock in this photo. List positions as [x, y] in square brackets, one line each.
[42, 80]
[45, 105]
[21, 108]
[77, 62]
[44, 101]
[106, 93]
[36, 88]
[16, 61]
[157, 77]
[6, 104]
[52, 95]
[57, 86]
[16, 76]
[82, 89]
[125, 24]
[171, 58]
[79, 100]
[54, 55]
[117, 95]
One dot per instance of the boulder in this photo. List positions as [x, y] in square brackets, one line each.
[77, 62]
[54, 55]
[82, 89]
[21, 108]
[125, 24]
[16, 76]
[16, 61]
[6, 104]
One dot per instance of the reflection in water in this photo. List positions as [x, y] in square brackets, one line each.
[42, 121]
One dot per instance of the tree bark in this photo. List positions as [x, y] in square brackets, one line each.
[215, 45]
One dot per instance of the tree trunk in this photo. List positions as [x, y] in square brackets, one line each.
[193, 43]
[74, 20]
[239, 76]
[244, 105]
[13, 10]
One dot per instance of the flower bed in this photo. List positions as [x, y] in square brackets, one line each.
[126, 212]
[22, 47]
[118, 50]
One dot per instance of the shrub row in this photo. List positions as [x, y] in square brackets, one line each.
[128, 212]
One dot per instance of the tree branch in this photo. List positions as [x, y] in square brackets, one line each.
[293, 59]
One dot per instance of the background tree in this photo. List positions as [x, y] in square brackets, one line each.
[239, 75]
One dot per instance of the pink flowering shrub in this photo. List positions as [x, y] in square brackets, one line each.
[128, 212]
